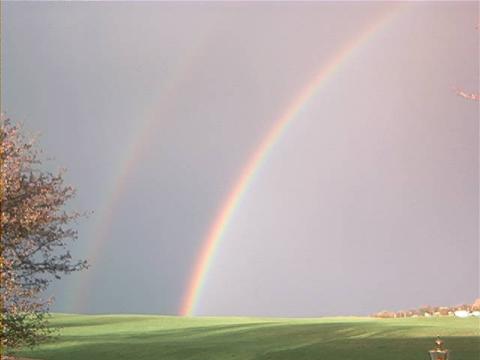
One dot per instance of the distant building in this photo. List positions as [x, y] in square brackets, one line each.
[462, 313]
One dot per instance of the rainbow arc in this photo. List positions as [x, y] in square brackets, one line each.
[254, 163]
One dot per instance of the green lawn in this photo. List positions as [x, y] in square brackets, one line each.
[138, 337]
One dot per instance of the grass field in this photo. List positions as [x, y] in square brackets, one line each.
[157, 337]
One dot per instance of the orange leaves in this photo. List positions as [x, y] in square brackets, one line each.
[35, 231]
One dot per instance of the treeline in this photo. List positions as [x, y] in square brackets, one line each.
[428, 311]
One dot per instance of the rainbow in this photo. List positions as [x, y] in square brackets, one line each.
[78, 293]
[227, 210]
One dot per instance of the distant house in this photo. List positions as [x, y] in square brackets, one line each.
[462, 313]
[443, 311]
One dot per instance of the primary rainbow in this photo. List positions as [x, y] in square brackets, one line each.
[229, 206]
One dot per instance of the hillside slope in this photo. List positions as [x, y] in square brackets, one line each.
[140, 337]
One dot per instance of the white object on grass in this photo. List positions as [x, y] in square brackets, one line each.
[462, 313]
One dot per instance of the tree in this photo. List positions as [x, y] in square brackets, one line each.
[466, 94]
[35, 230]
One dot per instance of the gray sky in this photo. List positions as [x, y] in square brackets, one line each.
[368, 202]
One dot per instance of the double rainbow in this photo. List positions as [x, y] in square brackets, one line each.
[79, 292]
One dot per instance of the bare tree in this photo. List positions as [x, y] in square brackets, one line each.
[466, 94]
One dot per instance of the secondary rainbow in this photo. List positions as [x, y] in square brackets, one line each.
[224, 216]
[78, 294]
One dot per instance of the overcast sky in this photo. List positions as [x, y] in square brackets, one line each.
[369, 201]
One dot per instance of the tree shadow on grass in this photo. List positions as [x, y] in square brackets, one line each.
[262, 341]
[94, 320]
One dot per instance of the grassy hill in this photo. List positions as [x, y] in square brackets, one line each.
[139, 337]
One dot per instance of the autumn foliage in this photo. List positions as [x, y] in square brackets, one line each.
[35, 232]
